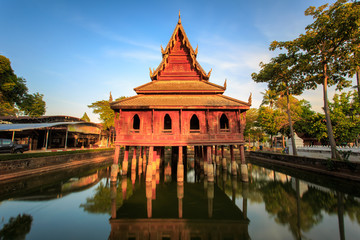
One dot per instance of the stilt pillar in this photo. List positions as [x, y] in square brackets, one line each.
[217, 158]
[133, 160]
[125, 162]
[116, 155]
[153, 160]
[204, 159]
[158, 158]
[180, 166]
[144, 158]
[223, 159]
[140, 164]
[149, 168]
[210, 168]
[233, 162]
[243, 168]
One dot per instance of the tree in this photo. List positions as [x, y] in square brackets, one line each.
[252, 130]
[283, 77]
[106, 113]
[269, 98]
[328, 46]
[310, 124]
[344, 111]
[85, 118]
[33, 105]
[270, 120]
[14, 96]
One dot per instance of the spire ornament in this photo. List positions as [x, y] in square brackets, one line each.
[250, 99]
[179, 22]
[225, 83]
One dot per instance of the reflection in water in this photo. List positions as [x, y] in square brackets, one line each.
[160, 207]
[298, 204]
[17, 228]
[190, 210]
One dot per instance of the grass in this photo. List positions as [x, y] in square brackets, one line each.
[4, 157]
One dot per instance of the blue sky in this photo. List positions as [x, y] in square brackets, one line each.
[75, 52]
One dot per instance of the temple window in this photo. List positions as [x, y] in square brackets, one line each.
[167, 123]
[224, 123]
[136, 123]
[194, 124]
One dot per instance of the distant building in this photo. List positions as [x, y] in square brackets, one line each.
[50, 132]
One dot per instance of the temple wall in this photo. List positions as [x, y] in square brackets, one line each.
[152, 127]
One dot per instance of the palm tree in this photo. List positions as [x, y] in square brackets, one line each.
[269, 98]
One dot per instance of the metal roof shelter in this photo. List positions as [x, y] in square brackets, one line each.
[79, 127]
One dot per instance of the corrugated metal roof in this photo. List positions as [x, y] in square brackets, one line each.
[28, 126]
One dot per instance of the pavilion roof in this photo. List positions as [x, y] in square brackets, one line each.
[180, 86]
[192, 54]
[179, 101]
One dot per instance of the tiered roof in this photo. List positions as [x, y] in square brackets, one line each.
[179, 81]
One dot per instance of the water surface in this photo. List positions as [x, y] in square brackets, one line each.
[275, 203]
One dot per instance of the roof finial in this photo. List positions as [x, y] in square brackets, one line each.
[250, 99]
[179, 22]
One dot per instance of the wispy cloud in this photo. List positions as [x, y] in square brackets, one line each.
[111, 35]
[136, 54]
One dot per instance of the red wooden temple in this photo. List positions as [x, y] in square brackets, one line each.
[180, 107]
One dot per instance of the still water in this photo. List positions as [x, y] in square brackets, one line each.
[274, 204]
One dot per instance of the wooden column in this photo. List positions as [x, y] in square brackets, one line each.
[217, 158]
[210, 167]
[116, 155]
[140, 164]
[243, 167]
[144, 158]
[180, 166]
[133, 160]
[125, 162]
[223, 159]
[233, 163]
[149, 168]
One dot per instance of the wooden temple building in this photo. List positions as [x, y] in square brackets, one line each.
[179, 107]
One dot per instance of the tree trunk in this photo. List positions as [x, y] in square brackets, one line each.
[358, 81]
[334, 152]
[249, 142]
[291, 125]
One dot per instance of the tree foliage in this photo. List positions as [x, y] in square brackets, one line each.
[328, 49]
[14, 96]
[345, 112]
[284, 78]
[106, 113]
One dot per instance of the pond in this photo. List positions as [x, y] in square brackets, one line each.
[275, 203]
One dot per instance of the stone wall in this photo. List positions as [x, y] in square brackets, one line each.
[324, 152]
[9, 166]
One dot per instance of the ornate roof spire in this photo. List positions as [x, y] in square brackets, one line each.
[250, 99]
[110, 97]
[179, 22]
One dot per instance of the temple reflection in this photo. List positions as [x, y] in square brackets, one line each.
[164, 209]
